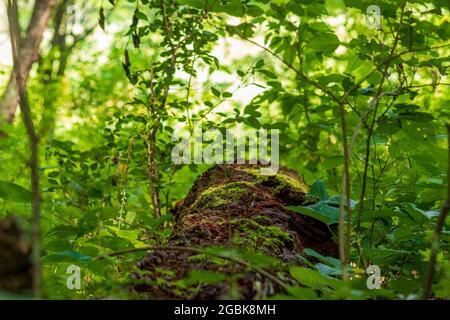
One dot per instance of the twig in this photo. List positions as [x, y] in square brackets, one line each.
[373, 105]
[388, 61]
[298, 72]
[344, 199]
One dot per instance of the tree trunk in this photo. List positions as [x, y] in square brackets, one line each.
[233, 206]
[15, 262]
[28, 55]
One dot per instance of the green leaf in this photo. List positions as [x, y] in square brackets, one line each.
[279, 125]
[215, 92]
[202, 276]
[268, 73]
[13, 192]
[69, 256]
[125, 234]
[368, 215]
[326, 42]
[416, 116]
[235, 9]
[254, 11]
[313, 279]
[101, 18]
[329, 260]
[383, 256]
[252, 122]
[320, 190]
[140, 15]
[320, 211]
[419, 215]
[335, 201]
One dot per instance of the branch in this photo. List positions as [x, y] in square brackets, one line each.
[202, 251]
[437, 232]
[429, 85]
[173, 51]
[13, 17]
[298, 72]
[387, 61]
[373, 105]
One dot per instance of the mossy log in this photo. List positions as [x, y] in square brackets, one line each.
[233, 206]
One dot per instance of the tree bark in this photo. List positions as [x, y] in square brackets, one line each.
[28, 55]
[234, 207]
[14, 32]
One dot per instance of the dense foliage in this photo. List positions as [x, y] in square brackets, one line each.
[361, 111]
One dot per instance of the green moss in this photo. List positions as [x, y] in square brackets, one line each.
[278, 182]
[224, 195]
[255, 235]
[201, 226]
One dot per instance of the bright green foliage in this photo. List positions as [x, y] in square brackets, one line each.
[106, 125]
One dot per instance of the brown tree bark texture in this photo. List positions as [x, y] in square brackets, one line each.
[28, 55]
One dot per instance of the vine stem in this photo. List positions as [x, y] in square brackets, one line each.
[198, 250]
[437, 232]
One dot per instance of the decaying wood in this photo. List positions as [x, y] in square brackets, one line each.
[234, 206]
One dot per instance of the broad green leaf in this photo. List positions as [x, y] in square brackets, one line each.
[319, 189]
[202, 276]
[326, 42]
[69, 256]
[368, 215]
[320, 211]
[383, 256]
[125, 234]
[420, 216]
[329, 260]
[312, 279]
[13, 192]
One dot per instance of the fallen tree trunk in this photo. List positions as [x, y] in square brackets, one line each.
[233, 206]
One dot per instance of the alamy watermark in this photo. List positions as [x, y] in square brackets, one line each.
[73, 281]
[374, 279]
[228, 146]
[373, 16]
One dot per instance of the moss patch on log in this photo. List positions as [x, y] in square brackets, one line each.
[225, 195]
[283, 185]
[253, 234]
